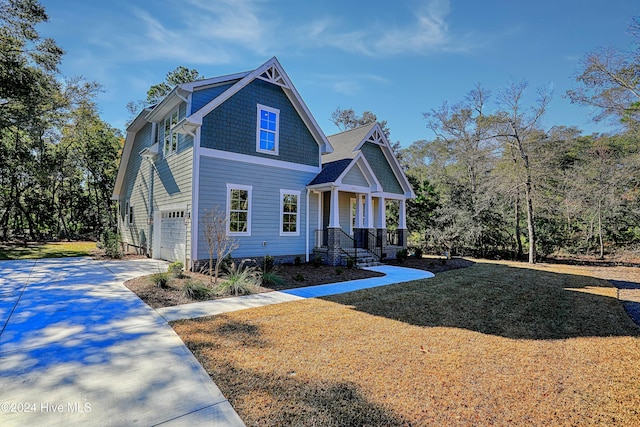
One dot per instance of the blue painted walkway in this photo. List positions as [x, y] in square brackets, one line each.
[392, 275]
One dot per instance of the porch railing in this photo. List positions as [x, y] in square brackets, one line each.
[374, 244]
[393, 238]
[348, 242]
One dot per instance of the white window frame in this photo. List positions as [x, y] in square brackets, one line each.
[128, 213]
[249, 190]
[282, 212]
[170, 138]
[276, 132]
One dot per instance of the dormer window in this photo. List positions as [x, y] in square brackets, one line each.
[170, 137]
[268, 129]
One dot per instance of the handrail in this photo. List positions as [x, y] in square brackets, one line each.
[374, 244]
[348, 242]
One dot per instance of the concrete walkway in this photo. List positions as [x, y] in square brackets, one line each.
[209, 308]
[78, 348]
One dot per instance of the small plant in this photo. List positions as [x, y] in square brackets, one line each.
[268, 264]
[271, 278]
[317, 260]
[417, 252]
[226, 263]
[401, 256]
[297, 261]
[350, 263]
[339, 270]
[241, 279]
[111, 244]
[196, 290]
[161, 280]
[175, 269]
[298, 277]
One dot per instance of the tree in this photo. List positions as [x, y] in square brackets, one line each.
[219, 243]
[610, 81]
[158, 91]
[519, 130]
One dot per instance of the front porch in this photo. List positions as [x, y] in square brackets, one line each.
[354, 226]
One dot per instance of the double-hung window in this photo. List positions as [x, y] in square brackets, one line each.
[170, 137]
[268, 129]
[239, 210]
[289, 213]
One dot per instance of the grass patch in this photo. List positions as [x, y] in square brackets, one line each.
[492, 344]
[45, 250]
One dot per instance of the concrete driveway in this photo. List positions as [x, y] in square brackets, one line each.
[78, 348]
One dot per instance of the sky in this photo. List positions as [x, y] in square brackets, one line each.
[398, 59]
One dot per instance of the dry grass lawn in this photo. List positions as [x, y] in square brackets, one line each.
[492, 344]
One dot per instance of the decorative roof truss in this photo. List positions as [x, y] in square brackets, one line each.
[273, 75]
[376, 137]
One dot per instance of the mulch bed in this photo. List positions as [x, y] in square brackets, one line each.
[293, 276]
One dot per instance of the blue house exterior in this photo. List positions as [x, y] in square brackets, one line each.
[246, 146]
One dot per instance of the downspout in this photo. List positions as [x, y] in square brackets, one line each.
[306, 246]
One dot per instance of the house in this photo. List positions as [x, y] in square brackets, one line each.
[247, 145]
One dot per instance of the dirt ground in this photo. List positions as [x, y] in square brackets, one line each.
[293, 276]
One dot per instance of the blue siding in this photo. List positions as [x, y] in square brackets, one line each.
[355, 177]
[232, 126]
[202, 97]
[265, 205]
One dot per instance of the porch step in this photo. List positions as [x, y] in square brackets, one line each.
[366, 259]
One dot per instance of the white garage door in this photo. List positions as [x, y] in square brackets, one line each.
[173, 234]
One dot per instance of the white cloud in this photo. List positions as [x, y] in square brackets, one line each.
[426, 32]
[348, 84]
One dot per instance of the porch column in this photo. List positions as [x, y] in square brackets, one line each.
[382, 213]
[334, 211]
[368, 209]
[402, 224]
[358, 218]
[381, 226]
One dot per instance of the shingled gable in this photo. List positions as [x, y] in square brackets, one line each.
[347, 153]
[272, 72]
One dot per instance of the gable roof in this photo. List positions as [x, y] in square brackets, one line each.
[348, 144]
[271, 71]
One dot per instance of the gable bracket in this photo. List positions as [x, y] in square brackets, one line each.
[375, 137]
[272, 75]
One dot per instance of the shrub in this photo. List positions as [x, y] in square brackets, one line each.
[175, 269]
[271, 278]
[401, 255]
[339, 271]
[226, 263]
[111, 243]
[268, 264]
[417, 252]
[350, 263]
[317, 260]
[297, 261]
[298, 277]
[240, 279]
[161, 280]
[196, 290]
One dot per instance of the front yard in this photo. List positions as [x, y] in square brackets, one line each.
[492, 344]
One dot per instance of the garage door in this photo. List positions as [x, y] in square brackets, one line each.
[173, 234]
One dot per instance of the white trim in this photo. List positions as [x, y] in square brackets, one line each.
[307, 194]
[195, 197]
[172, 131]
[227, 155]
[297, 194]
[249, 190]
[276, 133]
[291, 92]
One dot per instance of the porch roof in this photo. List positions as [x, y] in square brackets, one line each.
[331, 171]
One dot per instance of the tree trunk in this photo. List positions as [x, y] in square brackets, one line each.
[530, 225]
[518, 229]
[600, 229]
